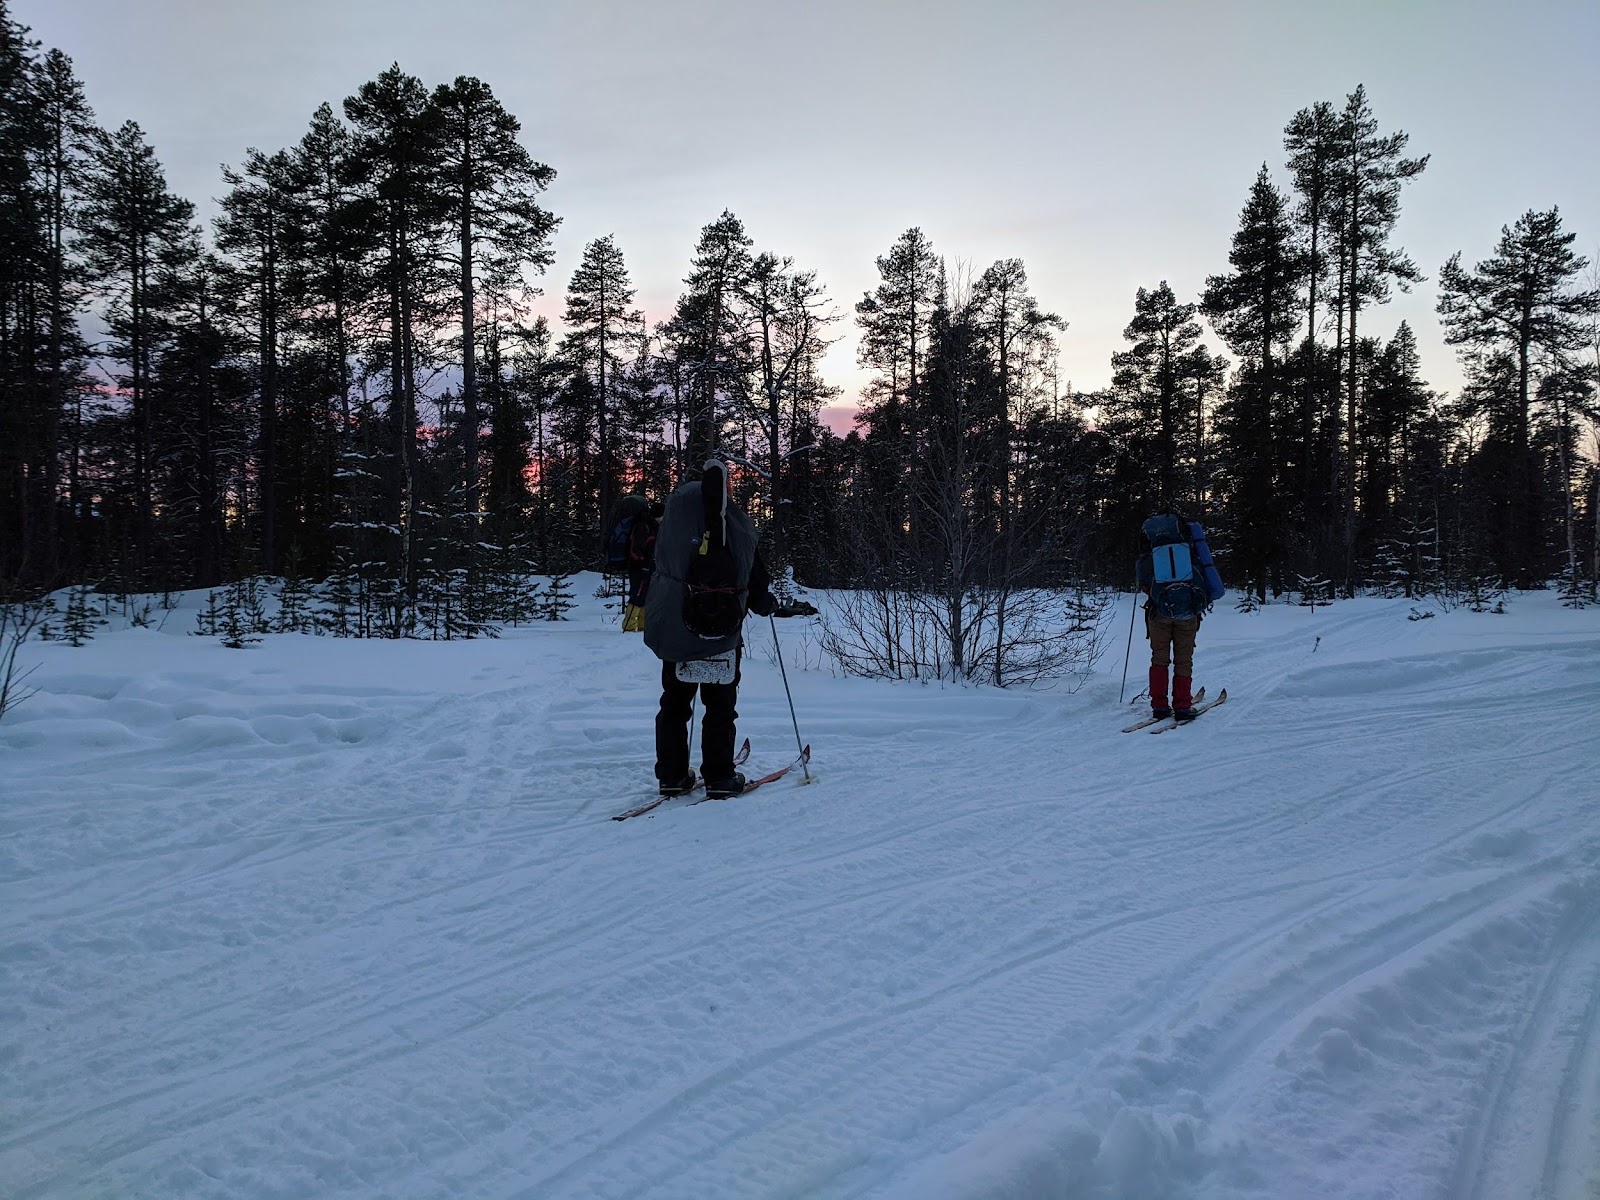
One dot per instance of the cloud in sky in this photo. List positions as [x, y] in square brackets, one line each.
[1109, 146]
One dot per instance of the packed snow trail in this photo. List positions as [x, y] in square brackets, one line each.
[342, 919]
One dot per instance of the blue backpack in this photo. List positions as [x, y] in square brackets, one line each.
[1184, 581]
[617, 546]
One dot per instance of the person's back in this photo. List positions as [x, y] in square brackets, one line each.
[1177, 600]
[700, 529]
[640, 565]
[707, 574]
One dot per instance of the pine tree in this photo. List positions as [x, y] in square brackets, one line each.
[338, 613]
[1153, 405]
[130, 222]
[294, 598]
[208, 621]
[80, 620]
[1312, 141]
[1256, 311]
[333, 247]
[646, 409]
[242, 618]
[603, 331]
[324, 252]
[1315, 590]
[21, 229]
[1483, 593]
[556, 601]
[397, 158]
[956, 484]
[895, 319]
[203, 388]
[1368, 175]
[489, 185]
[1019, 339]
[1397, 399]
[32, 375]
[1567, 394]
[708, 328]
[519, 398]
[1521, 303]
[790, 313]
[61, 161]
[252, 229]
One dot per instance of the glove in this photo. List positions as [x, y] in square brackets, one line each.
[795, 608]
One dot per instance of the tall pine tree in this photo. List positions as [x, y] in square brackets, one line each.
[710, 333]
[1518, 308]
[130, 223]
[604, 333]
[1256, 308]
[397, 159]
[499, 233]
[1368, 175]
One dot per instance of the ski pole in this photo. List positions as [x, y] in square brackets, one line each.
[799, 745]
[1127, 654]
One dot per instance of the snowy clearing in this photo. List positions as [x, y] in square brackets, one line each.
[324, 918]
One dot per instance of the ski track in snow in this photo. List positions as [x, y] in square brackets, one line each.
[332, 919]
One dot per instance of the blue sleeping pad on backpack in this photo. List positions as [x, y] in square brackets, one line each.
[1184, 579]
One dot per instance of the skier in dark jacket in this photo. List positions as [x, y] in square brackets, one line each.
[640, 565]
[1171, 623]
[708, 573]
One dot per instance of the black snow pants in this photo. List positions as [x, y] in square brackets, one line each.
[716, 729]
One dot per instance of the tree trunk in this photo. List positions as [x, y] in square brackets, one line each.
[1566, 487]
[56, 402]
[141, 408]
[208, 567]
[602, 411]
[1353, 303]
[268, 334]
[469, 355]
[1525, 520]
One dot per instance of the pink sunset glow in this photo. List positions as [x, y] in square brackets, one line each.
[841, 418]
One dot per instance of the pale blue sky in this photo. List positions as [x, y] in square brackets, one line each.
[1108, 145]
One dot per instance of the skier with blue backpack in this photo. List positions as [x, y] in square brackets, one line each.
[1180, 579]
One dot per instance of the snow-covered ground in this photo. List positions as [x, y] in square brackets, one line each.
[349, 919]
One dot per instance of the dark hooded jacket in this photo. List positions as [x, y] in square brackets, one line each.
[687, 518]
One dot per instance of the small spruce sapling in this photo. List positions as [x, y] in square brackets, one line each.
[243, 618]
[294, 599]
[1315, 591]
[80, 620]
[557, 600]
[208, 621]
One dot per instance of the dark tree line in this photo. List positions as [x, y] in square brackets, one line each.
[342, 381]
[1340, 460]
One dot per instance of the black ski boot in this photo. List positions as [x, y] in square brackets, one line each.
[724, 788]
[681, 788]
